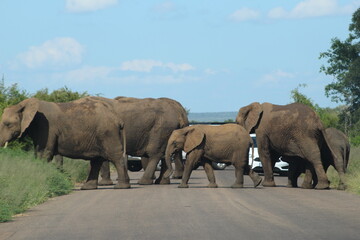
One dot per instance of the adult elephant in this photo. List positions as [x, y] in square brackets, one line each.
[149, 123]
[227, 143]
[292, 130]
[86, 128]
[339, 143]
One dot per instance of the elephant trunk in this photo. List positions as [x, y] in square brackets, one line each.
[168, 154]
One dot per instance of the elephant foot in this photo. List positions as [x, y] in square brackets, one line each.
[212, 185]
[162, 181]
[143, 181]
[341, 186]
[182, 185]
[289, 185]
[104, 182]
[89, 186]
[237, 185]
[322, 186]
[257, 182]
[122, 186]
[307, 186]
[269, 184]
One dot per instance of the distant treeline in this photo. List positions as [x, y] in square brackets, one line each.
[338, 117]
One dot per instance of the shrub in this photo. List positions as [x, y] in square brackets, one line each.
[26, 182]
[353, 173]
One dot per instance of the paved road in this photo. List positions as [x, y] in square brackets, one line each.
[166, 212]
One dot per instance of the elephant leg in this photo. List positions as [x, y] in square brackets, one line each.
[123, 177]
[310, 179]
[147, 177]
[59, 161]
[144, 163]
[340, 168]
[105, 174]
[265, 157]
[192, 158]
[239, 174]
[254, 177]
[161, 179]
[92, 180]
[314, 157]
[294, 172]
[179, 166]
[210, 174]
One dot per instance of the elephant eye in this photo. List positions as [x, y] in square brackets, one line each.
[7, 124]
[174, 142]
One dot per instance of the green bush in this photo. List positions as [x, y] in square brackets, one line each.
[352, 175]
[355, 140]
[77, 169]
[26, 182]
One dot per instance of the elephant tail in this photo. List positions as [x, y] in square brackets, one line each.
[124, 142]
[331, 150]
[169, 170]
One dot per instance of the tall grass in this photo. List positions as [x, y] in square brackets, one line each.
[352, 175]
[26, 182]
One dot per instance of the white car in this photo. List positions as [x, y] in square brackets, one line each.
[280, 167]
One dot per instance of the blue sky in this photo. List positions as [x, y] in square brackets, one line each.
[209, 55]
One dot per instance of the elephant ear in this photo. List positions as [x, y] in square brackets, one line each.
[249, 116]
[28, 110]
[193, 139]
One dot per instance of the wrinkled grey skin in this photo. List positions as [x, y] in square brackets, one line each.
[86, 128]
[292, 130]
[339, 143]
[149, 123]
[206, 143]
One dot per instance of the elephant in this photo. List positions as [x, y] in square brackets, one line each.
[149, 123]
[86, 128]
[339, 143]
[292, 130]
[228, 143]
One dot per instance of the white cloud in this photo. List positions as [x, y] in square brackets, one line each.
[149, 65]
[165, 7]
[140, 65]
[88, 5]
[275, 77]
[314, 8]
[56, 52]
[209, 71]
[178, 67]
[87, 73]
[244, 14]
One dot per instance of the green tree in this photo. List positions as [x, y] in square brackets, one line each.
[10, 95]
[299, 97]
[60, 95]
[343, 63]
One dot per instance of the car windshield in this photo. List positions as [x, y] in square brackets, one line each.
[254, 140]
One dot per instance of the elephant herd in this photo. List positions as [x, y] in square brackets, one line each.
[104, 130]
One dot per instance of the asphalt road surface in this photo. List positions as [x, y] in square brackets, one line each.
[166, 212]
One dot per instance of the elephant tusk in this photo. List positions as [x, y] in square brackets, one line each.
[6, 144]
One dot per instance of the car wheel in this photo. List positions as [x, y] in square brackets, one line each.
[218, 166]
[134, 166]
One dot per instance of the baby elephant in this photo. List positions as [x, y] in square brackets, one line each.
[206, 143]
